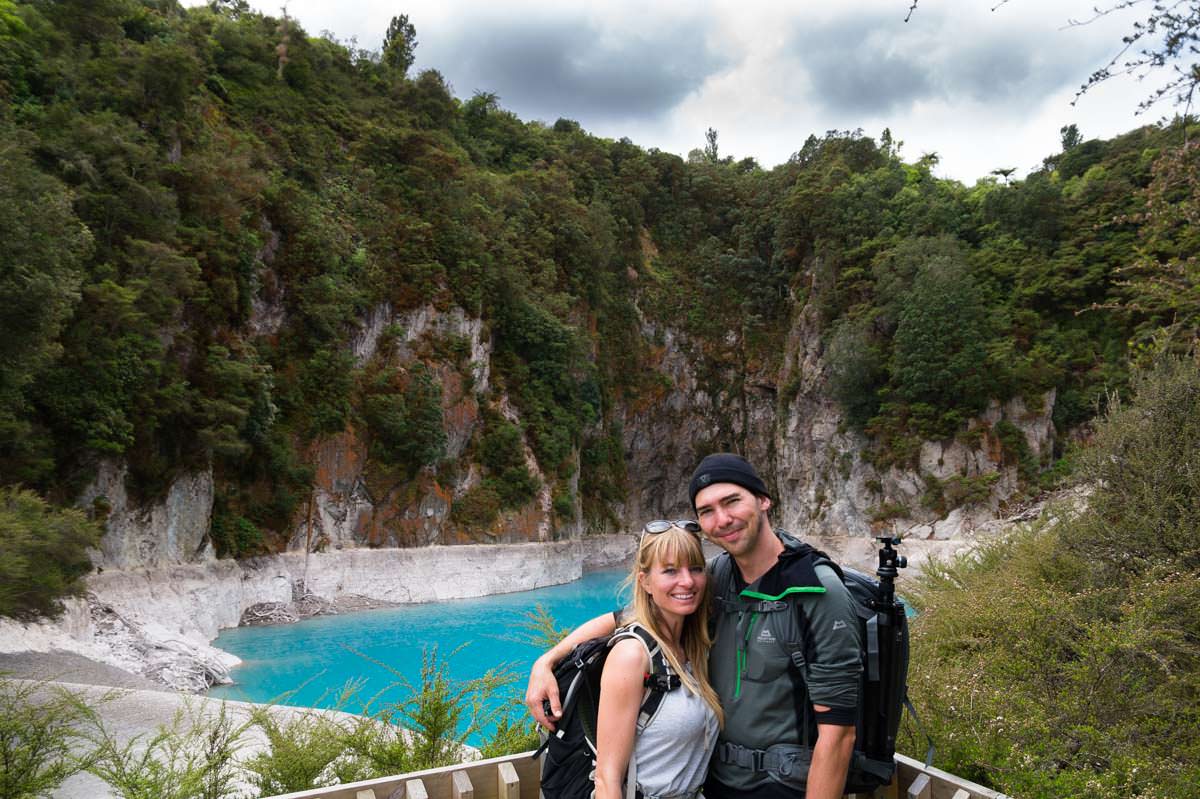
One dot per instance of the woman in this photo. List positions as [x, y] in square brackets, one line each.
[670, 600]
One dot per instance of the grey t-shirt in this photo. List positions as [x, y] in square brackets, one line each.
[672, 753]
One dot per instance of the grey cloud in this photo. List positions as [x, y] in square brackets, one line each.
[564, 68]
[874, 65]
[846, 81]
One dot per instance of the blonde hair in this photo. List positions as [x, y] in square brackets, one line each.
[681, 549]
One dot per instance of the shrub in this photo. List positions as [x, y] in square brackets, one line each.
[514, 486]
[437, 717]
[564, 506]
[939, 346]
[1016, 449]
[478, 508]
[404, 417]
[302, 751]
[236, 536]
[857, 369]
[1064, 659]
[1146, 511]
[43, 553]
[38, 727]
[502, 446]
[192, 758]
[515, 732]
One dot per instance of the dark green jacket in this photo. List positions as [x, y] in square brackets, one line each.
[800, 606]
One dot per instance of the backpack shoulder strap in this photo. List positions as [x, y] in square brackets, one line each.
[660, 678]
[721, 574]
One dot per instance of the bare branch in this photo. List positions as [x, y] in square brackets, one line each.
[1170, 31]
[911, 9]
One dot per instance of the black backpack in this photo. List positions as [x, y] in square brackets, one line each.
[568, 771]
[884, 688]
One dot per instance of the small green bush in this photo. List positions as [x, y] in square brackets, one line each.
[564, 506]
[39, 728]
[404, 418]
[236, 536]
[302, 752]
[888, 511]
[191, 758]
[478, 508]
[43, 553]
[1016, 449]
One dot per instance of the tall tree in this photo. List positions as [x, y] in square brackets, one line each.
[940, 351]
[399, 44]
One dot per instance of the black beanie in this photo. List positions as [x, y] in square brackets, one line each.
[725, 467]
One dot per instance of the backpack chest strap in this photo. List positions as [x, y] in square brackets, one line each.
[739, 605]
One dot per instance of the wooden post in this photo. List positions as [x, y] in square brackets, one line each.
[365, 793]
[508, 785]
[921, 788]
[415, 789]
[460, 786]
[961, 793]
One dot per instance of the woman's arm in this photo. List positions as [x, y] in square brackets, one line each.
[542, 685]
[621, 691]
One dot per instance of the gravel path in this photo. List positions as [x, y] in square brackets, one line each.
[72, 668]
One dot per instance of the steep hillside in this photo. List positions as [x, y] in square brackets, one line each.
[276, 287]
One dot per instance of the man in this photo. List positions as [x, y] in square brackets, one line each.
[768, 591]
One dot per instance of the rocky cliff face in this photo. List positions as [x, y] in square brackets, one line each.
[165, 533]
[781, 418]
[159, 622]
[709, 396]
[348, 508]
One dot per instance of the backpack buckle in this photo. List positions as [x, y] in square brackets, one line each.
[759, 757]
[662, 682]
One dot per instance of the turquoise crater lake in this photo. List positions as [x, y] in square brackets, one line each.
[309, 663]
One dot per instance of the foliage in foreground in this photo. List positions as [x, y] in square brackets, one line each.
[191, 758]
[48, 734]
[36, 747]
[1064, 660]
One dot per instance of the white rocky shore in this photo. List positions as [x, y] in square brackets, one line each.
[160, 622]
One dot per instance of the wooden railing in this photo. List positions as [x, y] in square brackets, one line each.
[518, 777]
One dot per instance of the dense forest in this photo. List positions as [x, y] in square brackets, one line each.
[201, 205]
[199, 208]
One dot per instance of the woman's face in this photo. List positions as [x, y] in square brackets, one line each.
[676, 589]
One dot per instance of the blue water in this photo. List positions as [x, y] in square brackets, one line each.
[310, 663]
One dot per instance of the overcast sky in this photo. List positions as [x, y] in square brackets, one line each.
[983, 89]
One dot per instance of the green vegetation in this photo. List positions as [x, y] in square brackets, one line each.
[1064, 660]
[48, 734]
[43, 553]
[202, 205]
[404, 418]
[507, 483]
[36, 748]
[192, 758]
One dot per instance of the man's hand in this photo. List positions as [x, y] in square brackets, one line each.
[543, 690]
[542, 685]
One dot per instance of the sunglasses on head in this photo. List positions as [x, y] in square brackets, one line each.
[662, 525]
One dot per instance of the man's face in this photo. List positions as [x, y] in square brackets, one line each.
[731, 517]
